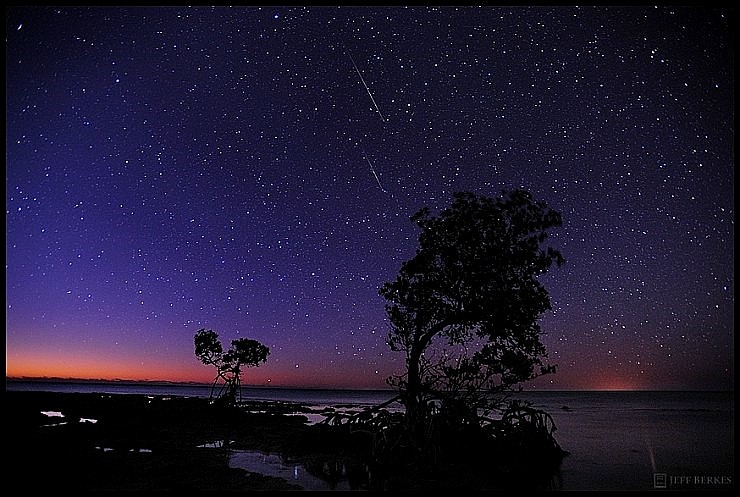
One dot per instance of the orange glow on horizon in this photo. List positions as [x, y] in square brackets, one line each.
[613, 383]
[101, 371]
[602, 381]
[86, 367]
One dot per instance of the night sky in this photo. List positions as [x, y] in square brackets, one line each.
[253, 170]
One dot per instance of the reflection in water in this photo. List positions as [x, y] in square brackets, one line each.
[214, 445]
[328, 473]
[109, 449]
[274, 465]
[52, 414]
[54, 424]
[311, 418]
[340, 471]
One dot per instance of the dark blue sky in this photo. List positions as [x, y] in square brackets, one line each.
[252, 171]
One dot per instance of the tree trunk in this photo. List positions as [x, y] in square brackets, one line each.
[414, 408]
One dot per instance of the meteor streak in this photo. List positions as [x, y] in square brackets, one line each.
[366, 87]
[372, 169]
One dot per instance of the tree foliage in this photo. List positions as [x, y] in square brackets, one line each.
[464, 310]
[243, 353]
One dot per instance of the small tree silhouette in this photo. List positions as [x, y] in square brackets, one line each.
[243, 352]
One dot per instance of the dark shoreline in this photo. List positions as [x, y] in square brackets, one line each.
[141, 442]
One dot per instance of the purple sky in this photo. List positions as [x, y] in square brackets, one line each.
[253, 171]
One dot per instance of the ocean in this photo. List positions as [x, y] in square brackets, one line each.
[617, 440]
[640, 440]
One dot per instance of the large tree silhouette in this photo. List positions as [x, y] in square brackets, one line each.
[243, 353]
[464, 310]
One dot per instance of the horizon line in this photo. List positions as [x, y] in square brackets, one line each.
[207, 384]
[172, 382]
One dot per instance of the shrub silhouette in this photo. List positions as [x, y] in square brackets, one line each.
[243, 353]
